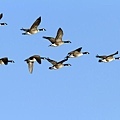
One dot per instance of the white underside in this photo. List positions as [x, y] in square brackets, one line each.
[2, 63]
[104, 60]
[54, 45]
[28, 33]
[78, 55]
[55, 68]
[33, 60]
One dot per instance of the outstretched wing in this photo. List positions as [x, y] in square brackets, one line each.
[30, 66]
[24, 29]
[1, 15]
[51, 39]
[59, 35]
[76, 50]
[106, 56]
[101, 56]
[113, 54]
[37, 57]
[36, 23]
[62, 61]
[53, 62]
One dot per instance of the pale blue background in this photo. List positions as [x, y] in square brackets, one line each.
[87, 90]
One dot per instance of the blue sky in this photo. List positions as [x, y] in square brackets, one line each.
[87, 89]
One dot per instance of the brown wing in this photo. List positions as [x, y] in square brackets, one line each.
[62, 61]
[106, 56]
[59, 35]
[51, 39]
[101, 56]
[37, 57]
[113, 54]
[78, 50]
[1, 15]
[53, 62]
[36, 23]
[30, 66]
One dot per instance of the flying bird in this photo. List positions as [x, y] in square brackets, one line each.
[5, 60]
[76, 53]
[57, 65]
[107, 58]
[34, 28]
[57, 41]
[2, 23]
[30, 61]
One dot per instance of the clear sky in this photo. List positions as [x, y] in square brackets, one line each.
[87, 90]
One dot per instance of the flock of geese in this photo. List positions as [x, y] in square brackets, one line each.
[55, 41]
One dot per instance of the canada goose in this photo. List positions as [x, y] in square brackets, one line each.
[30, 61]
[76, 53]
[33, 29]
[57, 65]
[4, 61]
[107, 58]
[57, 41]
[2, 24]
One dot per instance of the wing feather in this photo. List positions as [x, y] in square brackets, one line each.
[36, 23]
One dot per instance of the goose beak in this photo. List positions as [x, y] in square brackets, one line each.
[49, 45]
[44, 29]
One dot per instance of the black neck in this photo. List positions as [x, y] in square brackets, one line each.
[67, 65]
[11, 61]
[117, 58]
[42, 29]
[66, 41]
[85, 53]
[3, 23]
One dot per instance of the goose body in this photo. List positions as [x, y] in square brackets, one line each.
[5, 61]
[34, 28]
[30, 61]
[57, 41]
[57, 65]
[107, 58]
[76, 53]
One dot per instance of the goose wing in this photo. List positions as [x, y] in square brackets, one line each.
[53, 62]
[113, 54]
[101, 56]
[1, 15]
[35, 24]
[51, 39]
[30, 66]
[59, 35]
[37, 57]
[62, 61]
[78, 50]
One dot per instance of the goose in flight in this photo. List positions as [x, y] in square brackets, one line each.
[107, 58]
[34, 28]
[57, 41]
